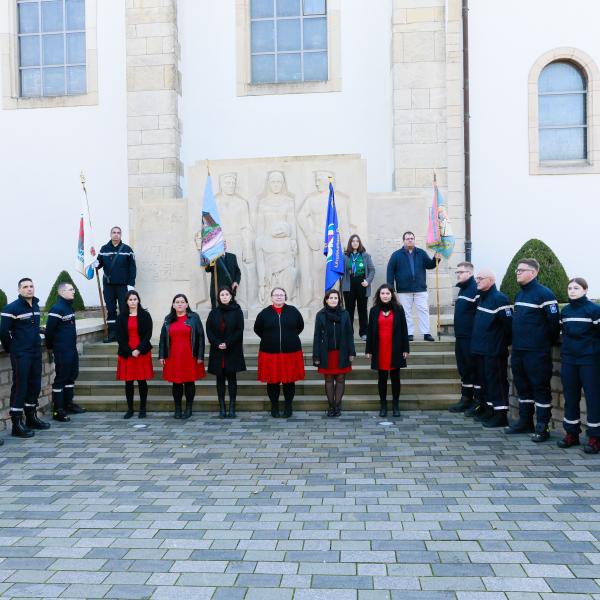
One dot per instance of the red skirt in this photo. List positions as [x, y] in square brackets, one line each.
[280, 367]
[183, 370]
[135, 368]
[333, 364]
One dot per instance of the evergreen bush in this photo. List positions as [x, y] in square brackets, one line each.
[3, 299]
[552, 273]
[53, 296]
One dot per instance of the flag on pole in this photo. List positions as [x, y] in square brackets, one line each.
[334, 267]
[213, 242]
[439, 231]
[86, 251]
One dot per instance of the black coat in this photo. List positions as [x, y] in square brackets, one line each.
[197, 339]
[230, 360]
[61, 331]
[321, 343]
[228, 273]
[144, 321]
[400, 342]
[279, 333]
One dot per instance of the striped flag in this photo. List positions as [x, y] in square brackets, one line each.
[213, 242]
[86, 251]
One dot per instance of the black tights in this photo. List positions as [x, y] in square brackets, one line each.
[143, 389]
[190, 391]
[289, 391]
[382, 384]
[334, 389]
[231, 379]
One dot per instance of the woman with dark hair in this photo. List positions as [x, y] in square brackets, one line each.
[387, 345]
[580, 366]
[225, 332]
[333, 349]
[359, 272]
[280, 360]
[134, 360]
[181, 353]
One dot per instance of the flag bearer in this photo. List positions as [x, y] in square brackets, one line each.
[20, 337]
[580, 366]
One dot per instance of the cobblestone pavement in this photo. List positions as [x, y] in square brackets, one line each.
[429, 507]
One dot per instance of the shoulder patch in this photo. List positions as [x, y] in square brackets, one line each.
[508, 312]
[554, 308]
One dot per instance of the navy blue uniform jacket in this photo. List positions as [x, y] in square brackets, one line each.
[492, 325]
[581, 332]
[61, 332]
[399, 274]
[465, 308]
[20, 326]
[118, 263]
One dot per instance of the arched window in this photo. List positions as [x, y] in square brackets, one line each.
[562, 102]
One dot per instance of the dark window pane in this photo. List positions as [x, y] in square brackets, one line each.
[259, 9]
[562, 109]
[315, 34]
[29, 21]
[54, 81]
[314, 7]
[315, 66]
[31, 82]
[289, 67]
[563, 144]
[561, 77]
[288, 34]
[29, 50]
[75, 14]
[53, 49]
[75, 48]
[288, 8]
[263, 68]
[263, 36]
[52, 16]
[76, 83]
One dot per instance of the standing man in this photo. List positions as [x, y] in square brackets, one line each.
[118, 261]
[535, 328]
[61, 341]
[490, 341]
[464, 316]
[406, 274]
[20, 337]
[228, 273]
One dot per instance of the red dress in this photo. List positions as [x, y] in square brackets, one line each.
[385, 326]
[134, 368]
[180, 365]
[333, 364]
[280, 367]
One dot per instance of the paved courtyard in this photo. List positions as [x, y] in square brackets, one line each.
[428, 507]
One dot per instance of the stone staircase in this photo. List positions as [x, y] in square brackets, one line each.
[430, 382]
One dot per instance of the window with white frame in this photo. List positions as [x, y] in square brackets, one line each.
[51, 47]
[288, 40]
[562, 112]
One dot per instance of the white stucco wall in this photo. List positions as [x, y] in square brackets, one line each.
[42, 153]
[510, 206]
[217, 124]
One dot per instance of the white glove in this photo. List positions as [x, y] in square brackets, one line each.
[96, 264]
[129, 288]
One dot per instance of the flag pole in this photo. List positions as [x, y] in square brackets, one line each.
[437, 272]
[82, 179]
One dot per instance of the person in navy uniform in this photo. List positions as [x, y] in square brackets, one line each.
[228, 275]
[536, 326]
[118, 262]
[489, 342]
[464, 316]
[580, 366]
[61, 342]
[20, 337]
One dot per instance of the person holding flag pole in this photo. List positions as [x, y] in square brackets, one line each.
[332, 247]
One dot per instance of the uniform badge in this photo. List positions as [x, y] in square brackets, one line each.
[553, 308]
[508, 312]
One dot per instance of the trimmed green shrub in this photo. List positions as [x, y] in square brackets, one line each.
[552, 273]
[78, 304]
[3, 299]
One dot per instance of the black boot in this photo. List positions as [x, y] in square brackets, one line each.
[18, 429]
[523, 425]
[396, 407]
[58, 412]
[485, 414]
[129, 412]
[222, 412]
[463, 404]
[177, 414]
[142, 413]
[383, 408]
[231, 414]
[498, 419]
[275, 408]
[32, 421]
[287, 408]
[187, 413]
[70, 406]
[475, 409]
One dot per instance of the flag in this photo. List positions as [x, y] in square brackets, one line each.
[213, 242]
[332, 249]
[86, 252]
[439, 231]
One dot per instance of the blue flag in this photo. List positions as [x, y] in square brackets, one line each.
[334, 268]
[213, 242]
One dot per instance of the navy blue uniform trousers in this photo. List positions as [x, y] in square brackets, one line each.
[532, 372]
[66, 366]
[494, 375]
[467, 368]
[574, 378]
[27, 379]
[114, 294]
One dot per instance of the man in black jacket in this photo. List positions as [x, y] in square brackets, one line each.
[228, 273]
[118, 261]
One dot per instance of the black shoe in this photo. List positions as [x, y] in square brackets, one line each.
[75, 409]
[498, 419]
[411, 338]
[128, 414]
[222, 412]
[109, 339]
[569, 440]
[1, 442]
[287, 409]
[521, 426]
[275, 409]
[32, 421]
[395, 408]
[593, 445]
[382, 409]
[461, 406]
[142, 413]
[428, 338]
[330, 412]
[475, 409]
[187, 413]
[541, 434]
[484, 415]
[177, 414]
[60, 415]
[18, 429]
[231, 413]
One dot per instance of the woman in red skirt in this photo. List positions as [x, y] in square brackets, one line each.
[181, 353]
[333, 349]
[280, 360]
[134, 360]
[387, 345]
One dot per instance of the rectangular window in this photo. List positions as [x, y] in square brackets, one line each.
[52, 50]
[288, 41]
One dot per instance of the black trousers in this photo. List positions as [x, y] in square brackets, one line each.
[494, 371]
[575, 377]
[532, 372]
[357, 298]
[66, 370]
[27, 380]
[113, 295]
[466, 363]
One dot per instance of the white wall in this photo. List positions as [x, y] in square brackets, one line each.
[41, 155]
[509, 205]
[219, 125]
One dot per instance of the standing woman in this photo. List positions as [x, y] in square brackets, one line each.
[280, 360]
[134, 360]
[580, 366]
[333, 349]
[356, 283]
[387, 345]
[181, 353]
[225, 332]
